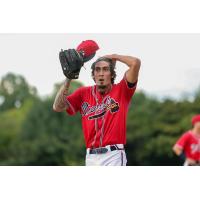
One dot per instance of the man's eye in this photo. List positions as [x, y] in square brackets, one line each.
[97, 69]
[106, 69]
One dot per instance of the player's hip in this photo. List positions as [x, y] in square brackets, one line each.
[110, 155]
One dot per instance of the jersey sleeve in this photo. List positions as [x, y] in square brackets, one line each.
[74, 101]
[181, 142]
[127, 91]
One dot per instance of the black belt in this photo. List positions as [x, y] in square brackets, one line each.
[102, 150]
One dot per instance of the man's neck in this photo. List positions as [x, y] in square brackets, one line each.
[196, 131]
[103, 90]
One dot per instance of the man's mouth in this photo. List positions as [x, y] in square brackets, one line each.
[101, 84]
[101, 81]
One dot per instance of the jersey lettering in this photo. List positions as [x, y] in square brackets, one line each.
[195, 148]
[101, 109]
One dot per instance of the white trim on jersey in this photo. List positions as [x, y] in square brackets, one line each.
[70, 105]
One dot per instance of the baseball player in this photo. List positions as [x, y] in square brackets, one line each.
[188, 145]
[103, 107]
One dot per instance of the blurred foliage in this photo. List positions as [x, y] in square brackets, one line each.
[14, 90]
[31, 133]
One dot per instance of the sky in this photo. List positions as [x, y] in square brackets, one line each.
[170, 64]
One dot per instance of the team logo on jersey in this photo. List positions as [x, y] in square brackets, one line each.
[100, 110]
[195, 148]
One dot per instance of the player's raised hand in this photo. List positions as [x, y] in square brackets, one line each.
[113, 57]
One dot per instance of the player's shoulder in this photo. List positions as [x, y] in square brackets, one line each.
[120, 83]
[125, 82]
[84, 90]
[187, 134]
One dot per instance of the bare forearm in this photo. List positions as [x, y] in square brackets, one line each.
[130, 61]
[60, 100]
[134, 66]
[177, 150]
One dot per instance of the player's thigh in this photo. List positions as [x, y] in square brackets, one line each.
[116, 158]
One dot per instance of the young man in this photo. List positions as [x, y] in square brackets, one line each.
[188, 145]
[103, 108]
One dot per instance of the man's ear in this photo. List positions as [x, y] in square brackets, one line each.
[93, 78]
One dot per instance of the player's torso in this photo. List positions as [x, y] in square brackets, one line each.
[103, 117]
[192, 148]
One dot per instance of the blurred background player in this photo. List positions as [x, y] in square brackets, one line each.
[188, 145]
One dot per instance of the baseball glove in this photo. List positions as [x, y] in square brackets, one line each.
[71, 62]
[73, 59]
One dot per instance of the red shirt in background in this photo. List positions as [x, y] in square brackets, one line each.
[190, 144]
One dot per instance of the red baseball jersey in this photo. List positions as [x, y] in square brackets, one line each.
[103, 116]
[190, 143]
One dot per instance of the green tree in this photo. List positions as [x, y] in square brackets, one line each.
[50, 138]
[14, 90]
[153, 127]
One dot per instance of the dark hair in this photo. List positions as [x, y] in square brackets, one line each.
[111, 64]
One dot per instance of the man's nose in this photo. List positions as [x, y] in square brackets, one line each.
[101, 72]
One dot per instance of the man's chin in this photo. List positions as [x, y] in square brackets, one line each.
[101, 87]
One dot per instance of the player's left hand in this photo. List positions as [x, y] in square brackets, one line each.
[113, 57]
[73, 59]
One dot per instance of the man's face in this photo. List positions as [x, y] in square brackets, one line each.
[102, 74]
[197, 125]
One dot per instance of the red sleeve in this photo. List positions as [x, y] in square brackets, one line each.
[74, 101]
[126, 90]
[182, 141]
